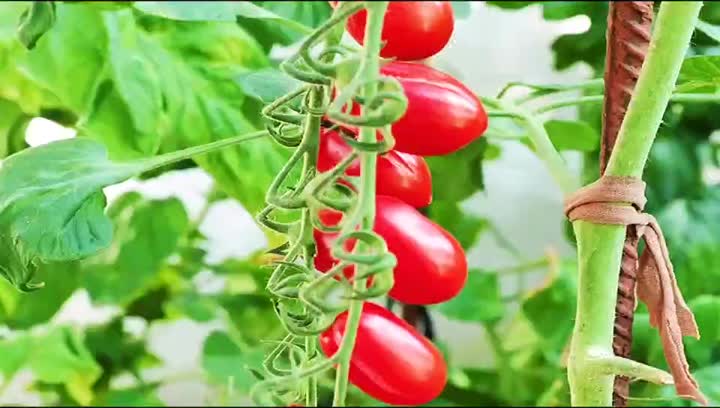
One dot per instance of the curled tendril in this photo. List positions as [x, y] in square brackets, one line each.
[301, 295]
[383, 109]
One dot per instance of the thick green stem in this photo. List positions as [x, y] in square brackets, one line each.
[369, 74]
[600, 246]
[310, 144]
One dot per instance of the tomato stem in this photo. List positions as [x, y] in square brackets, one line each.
[590, 373]
[369, 74]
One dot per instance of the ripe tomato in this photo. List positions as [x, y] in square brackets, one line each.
[391, 361]
[443, 115]
[431, 265]
[413, 30]
[402, 175]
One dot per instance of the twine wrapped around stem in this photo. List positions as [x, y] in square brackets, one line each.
[606, 202]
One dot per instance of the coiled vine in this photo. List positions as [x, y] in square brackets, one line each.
[305, 299]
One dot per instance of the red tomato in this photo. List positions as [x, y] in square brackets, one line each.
[402, 175]
[431, 265]
[391, 361]
[442, 116]
[413, 30]
[324, 261]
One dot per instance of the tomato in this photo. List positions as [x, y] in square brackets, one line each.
[402, 175]
[431, 264]
[442, 115]
[324, 260]
[413, 30]
[391, 361]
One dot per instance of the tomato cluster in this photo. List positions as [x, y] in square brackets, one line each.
[391, 360]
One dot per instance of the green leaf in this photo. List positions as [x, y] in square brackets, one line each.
[227, 11]
[673, 170]
[479, 301]
[37, 20]
[308, 14]
[70, 60]
[572, 135]
[147, 233]
[22, 311]
[551, 309]
[226, 362]
[512, 5]
[267, 84]
[706, 310]
[13, 122]
[464, 167]
[131, 397]
[689, 226]
[56, 357]
[59, 217]
[466, 228]
[699, 74]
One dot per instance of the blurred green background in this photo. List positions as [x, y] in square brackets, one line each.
[174, 311]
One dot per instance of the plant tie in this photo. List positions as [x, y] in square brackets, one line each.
[620, 201]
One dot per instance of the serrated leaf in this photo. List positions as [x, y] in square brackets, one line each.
[59, 215]
[224, 361]
[479, 301]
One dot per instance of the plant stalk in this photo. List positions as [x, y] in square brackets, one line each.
[600, 246]
[369, 74]
[310, 145]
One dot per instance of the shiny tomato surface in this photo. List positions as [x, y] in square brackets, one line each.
[412, 30]
[443, 115]
[391, 361]
[431, 264]
[401, 175]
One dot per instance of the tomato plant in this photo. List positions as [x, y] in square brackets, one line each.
[246, 182]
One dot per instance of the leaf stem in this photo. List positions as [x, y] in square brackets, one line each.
[176, 156]
[369, 73]
[600, 246]
[678, 97]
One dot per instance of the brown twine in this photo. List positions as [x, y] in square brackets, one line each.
[603, 202]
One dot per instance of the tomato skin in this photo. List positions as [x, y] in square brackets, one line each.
[414, 30]
[391, 361]
[402, 175]
[442, 116]
[431, 264]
